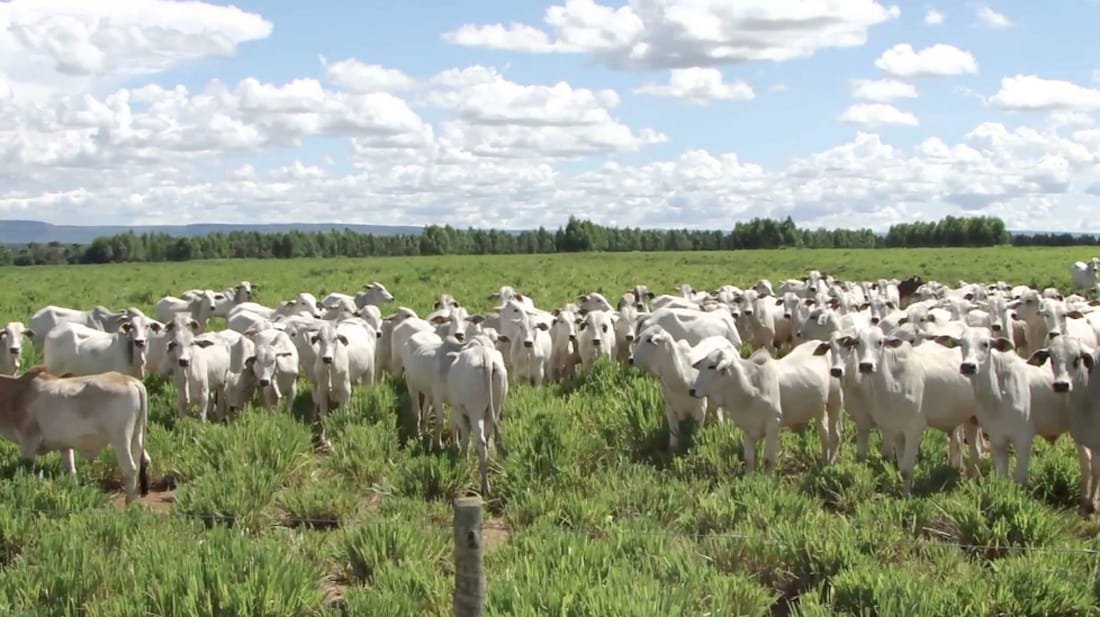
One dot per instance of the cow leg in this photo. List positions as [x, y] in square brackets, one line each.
[1094, 480]
[974, 437]
[1023, 458]
[204, 403]
[291, 394]
[437, 421]
[714, 410]
[1000, 456]
[907, 462]
[68, 462]
[673, 429]
[771, 444]
[863, 437]
[129, 468]
[954, 449]
[482, 454]
[748, 448]
[824, 438]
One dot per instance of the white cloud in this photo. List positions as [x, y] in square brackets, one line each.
[992, 19]
[687, 33]
[67, 45]
[933, 17]
[877, 114]
[1030, 92]
[355, 76]
[902, 60]
[699, 86]
[882, 90]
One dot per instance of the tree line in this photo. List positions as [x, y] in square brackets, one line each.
[577, 235]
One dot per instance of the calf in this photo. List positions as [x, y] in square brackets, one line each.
[11, 346]
[669, 361]
[42, 413]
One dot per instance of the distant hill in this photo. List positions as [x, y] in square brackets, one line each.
[22, 231]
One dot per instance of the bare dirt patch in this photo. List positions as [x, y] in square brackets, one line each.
[157, 501]
[494, 533]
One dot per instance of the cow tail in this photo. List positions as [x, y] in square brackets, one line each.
[138, 444]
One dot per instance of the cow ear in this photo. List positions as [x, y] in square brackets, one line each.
[1003, 344]
[457, 304]
[503, 338]
[249, 361]
[555, 312]
[30, 333]
[1075, 314]
[903, 320]
[542, 326]
[946, 340]
[894, 342]
[153, 325]
[848, 341]
[439, 319]
[285, 354]
[581, 324]
[343, 339]
[3, 333]
[219, 296]
[779, 301]
[313, 339]
[1087, 359]
[204, 343]
[821, 349]
[1039, 357]
[194, 325]
[476, 319]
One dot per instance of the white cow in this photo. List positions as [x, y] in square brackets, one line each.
[476, 388]
[41, 413]
[200, 367]
[763, 394]
[274, 367]
[11, 346]
[856, 389]
[200, 306]
[530, 348]
[914, 388]
[373, 294]
[669, 361]
[98, 318]
[344, 357]
[1016, 401]
[564, 354]
[76, 349]
[694, 326]
[1071, 364]
[596, 332]
[1084, 274]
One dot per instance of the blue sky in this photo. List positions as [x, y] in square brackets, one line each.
[641, 112]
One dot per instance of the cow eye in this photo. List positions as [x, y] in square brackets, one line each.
[171, 345]
[604, 328]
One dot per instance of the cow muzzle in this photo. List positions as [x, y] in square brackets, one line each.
[875, 320]
[866, 367]
[694, 393]
[968, 368]
[1061, 386]
[630, 338]
[786, 315]
[265, 383]
[15, 351]
[140, 344]
[630, 360]
[460, 336]
[184, 362]
[572, 338]
[596, 342]
[996, 327]
[836, 372]
[327, 359]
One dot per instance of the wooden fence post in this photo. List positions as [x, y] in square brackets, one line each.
[469, 596]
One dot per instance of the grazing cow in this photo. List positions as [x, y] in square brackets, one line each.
[763, 394]
[274, 367]
[76, 349]
[914, 388]
[11, 346]
[1016, 401]
[476, 387]
[564, 354]
[669, 361]
[597, 337]
[200, 367]
[1071, 364]
[43, 413]
[99, 318]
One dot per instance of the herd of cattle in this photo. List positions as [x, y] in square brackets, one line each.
[993, 366]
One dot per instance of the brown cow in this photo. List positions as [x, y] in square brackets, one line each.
[44, 413]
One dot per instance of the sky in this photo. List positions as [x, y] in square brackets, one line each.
[515, 114]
